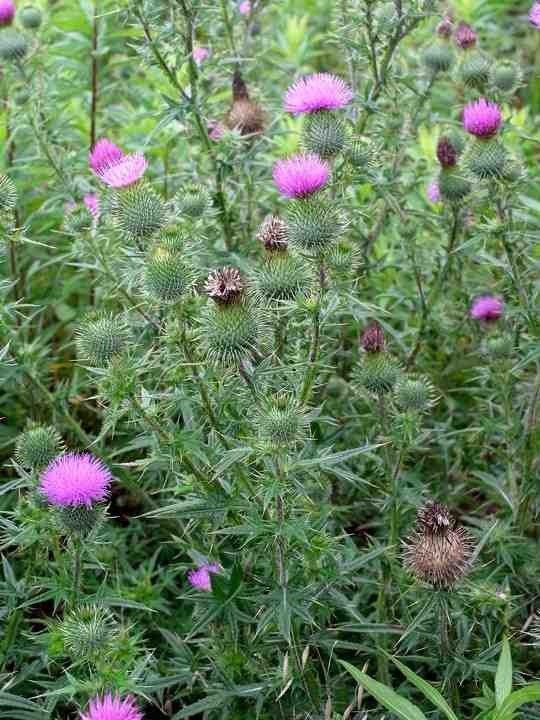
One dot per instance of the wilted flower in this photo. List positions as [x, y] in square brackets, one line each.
[103, 155]
[225, 286]
[465, 36]
[534, 14]
[321, 91]
[75, 479]
[7, 12]
[245, 115]
[482, 118]
[200, 54]
[112, 708]
[446, 153]
[273, 234]
[487, 308]
[125, 172]
[200, 578]
[300, 175]
[245, 7]
[372, 339]
[433, 192]
[438, 552]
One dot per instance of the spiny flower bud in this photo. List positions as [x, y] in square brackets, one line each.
[13, 45]
[378, 372]
[506, 76]
[138, 211]
[474, 70]
[324, 134]
[274, 234]
[486, 159]
[364, 154]
[193, 201]
[438, 552]
[281, 276]
[168, 275]
[87, 632]
[37, 446]
[281, 421]
[100, 339]
[225, 286]
[78, 219]
[244, 115]
[314, 224]
[230, 333]
[438, 57]
[8, 193]
[453, 187]
[372, 339]
[465, 36]
[31, 17]
[414, 394]
[498, 347]
[343, 257]
[446, 153]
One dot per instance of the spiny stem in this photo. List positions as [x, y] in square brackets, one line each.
[313, 359]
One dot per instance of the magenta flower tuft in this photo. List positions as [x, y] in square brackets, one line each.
[465, 36]
[7, 12]
[200, 578]
[534, 15]
[91, 202]
[245, 7]
[482, 118]
[487, 308]
[200, 54]
[75, 479]
[125, 172]
[216, 130]
[321, 91]
[112, 708]
[104, 154]
[300, 175]
[433, 192]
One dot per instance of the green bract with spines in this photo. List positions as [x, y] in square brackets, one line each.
[230, 334]
[474, 69]
[506, 77]
[37, 446]
[168, 274]
[378, 372]
[87, 632]
[193, 201]
[324, 134]
[30, 17]
[281, 421]
[13, 45]
[314, 224]
[79, 519]
[485, 159]
[452, 185]
[280, 276]
[414, 394]
[8, 194]
[438, 57]
[138, 212]
[100, 339]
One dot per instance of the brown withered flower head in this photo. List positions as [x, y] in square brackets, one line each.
[274, 234]
[244, 115]
[225, 286]
[372, 339]
[446, 153]
[438, 552]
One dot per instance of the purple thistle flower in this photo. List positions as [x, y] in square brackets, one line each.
[200, 578]
[245, 7]
[482, 118]
[534, 14]
[216, 129]
[75, 479]
[125, 172]
[433, 192]
[321, 91]
[200, 54]
[104, 154]
[7, 12]
[445, 27]
[465, 36]
[91, 201]
[112, 708]
[487, 308]
[300, 175]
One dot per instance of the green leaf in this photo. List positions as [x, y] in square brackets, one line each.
[385, 695]
[426, 689]
[528, 694]
[503, 676]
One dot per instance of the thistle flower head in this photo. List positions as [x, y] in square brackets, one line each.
[274, 234]
[465, 36]
[482, 118]
[125, 172]
[103, 155]
[321, 91]
[446, 27]
[200, 578]
[300, 175]
[446, 152]
[225, 286]
[534, 14]
[7, 12]
[245, 7]
[487, 308]
[200, 54]
[215, 130]
[91, 202]
[372, 339]
[438, 552]
[433, 192]
[111, 707]
[75, 479]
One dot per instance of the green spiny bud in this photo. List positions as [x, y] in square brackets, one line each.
[514, 171]
[138, 211]
[13, 45]
[87, 632]
[193, 201]
[414, 394]
[100, 339]
[506, 76]
[324, 133]
[378, 373]
[438, 57]
[229, 333]
[457, 139]
[474, 69]
[364, 154]
[168, 275]
[281, 276]
[8, 191]
[314, 224]
[281, 421]
[343, 258]
[78, 220]
[79, 519]
[37, 446]
[498, 347]
[452, 185]
[485, 159]
[30, 17]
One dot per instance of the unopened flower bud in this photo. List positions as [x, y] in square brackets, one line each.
[31, 17]
[465, 36]
[446, 153]
[37, 446]
[100, 339]
[372, 339]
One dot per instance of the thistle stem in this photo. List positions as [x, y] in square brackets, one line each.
[77, 571]
[313, 360]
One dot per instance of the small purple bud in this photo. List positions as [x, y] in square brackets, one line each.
[446, 153]
[372, 339]
[465, 36]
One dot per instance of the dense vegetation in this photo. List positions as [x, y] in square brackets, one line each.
[270, 360]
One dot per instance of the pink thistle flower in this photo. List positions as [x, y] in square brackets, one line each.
[200, 578]
[91, 202]
[446, 26]
[321, 91]
[112, 708]
[75, 479]
[125, 172]
[104, 154]
[534, 14]
[300, 175]
[7, 12]
[216, 130]
[200, 54]
[465, 36]
[482, 118]
[487, 308]
[433, 192]
[245, 7]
